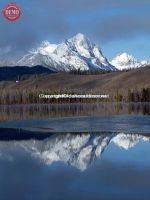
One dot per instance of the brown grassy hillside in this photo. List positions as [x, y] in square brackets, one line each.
[132, 85]
[138, 78]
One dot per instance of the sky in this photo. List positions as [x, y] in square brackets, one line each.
[116, 26]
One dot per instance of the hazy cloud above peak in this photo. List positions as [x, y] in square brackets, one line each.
[103, 21]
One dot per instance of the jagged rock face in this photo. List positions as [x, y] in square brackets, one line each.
[78, 150]
[73, 54]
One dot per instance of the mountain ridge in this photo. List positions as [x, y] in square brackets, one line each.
[17, 73]
[76, 53]
[126, 61]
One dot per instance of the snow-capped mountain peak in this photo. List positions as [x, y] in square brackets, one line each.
[81, 44]
[87, 49]
[79, 39]
[126, 57]
[127, 61]
[72, 54]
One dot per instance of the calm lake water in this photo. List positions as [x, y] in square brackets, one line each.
[95, 152]
[13, 112]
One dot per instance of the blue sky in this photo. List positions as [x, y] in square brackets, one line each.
[116, 26]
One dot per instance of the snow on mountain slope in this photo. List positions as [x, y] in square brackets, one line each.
[126, 61]
[127, 141]
[78, 150]
[73, 54]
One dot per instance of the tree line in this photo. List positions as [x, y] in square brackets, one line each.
[31, 96]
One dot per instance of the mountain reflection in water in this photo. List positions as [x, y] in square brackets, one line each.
[79, 150]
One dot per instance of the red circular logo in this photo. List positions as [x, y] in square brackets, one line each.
[12, 12]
